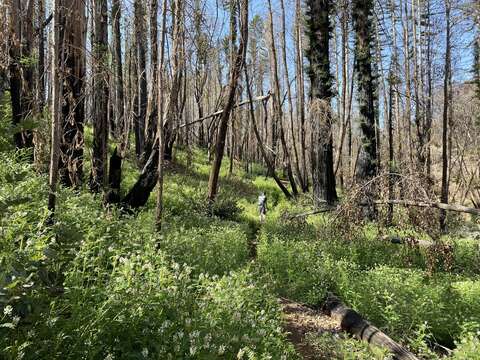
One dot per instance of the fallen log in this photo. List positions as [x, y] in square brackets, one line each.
[353, 323]
[438, 205]
[313, 212]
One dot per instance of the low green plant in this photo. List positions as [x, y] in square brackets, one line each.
[214, 248]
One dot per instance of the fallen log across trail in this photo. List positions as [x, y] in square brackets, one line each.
[353, 323]
[428, 204]
[313, 212]
[425, 204]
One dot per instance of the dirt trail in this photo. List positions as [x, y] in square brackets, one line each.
[299, 320]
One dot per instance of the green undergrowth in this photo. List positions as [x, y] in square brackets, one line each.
[101, 284]
[391, 285]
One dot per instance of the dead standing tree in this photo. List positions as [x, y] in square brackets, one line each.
[100, 96]
[367, 162]
[71, 58]
[277, 116]
[235, 72]
[21, 69]
[318, 32]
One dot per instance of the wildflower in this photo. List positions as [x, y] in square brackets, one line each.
[193, 350]
[8, 310]
[221, 350]
[208, 338]
[145, 352]
[240, 353]
[16, 320]
[109, 357]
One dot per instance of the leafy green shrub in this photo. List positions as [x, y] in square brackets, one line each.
[398, 300]
[331, 346]
[225, 208]
[6, 128]
[213, 248]
[295, 269]
[245, 318]
[468, 348]
[125, 299]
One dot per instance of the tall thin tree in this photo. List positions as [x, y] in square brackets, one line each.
[235, 72]
[367, 161]
[100, 95]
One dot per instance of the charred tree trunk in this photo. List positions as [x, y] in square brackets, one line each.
[21, 75]
[141, 79]
[120, 121]
[445, 122]
[112, 195]
[100, 96]
[152, 110]
[367, 160]
[353, 323]
[72, 60]
[56, 105]
[318, 32]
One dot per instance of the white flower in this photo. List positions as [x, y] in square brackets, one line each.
[221, 350]
[188, 321]
[193, 350]
[109, 357]
[145, 352]
[16, 320]
[240, 353]
[8, 310]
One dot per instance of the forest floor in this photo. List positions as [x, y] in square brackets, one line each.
[221, 286]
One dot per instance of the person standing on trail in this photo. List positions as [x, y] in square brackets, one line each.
[262, 206]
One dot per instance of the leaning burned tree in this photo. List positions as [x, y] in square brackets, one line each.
[235, 72]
